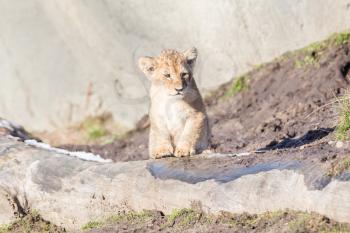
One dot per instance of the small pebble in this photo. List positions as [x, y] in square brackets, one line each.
[339, 144]
[243, 154]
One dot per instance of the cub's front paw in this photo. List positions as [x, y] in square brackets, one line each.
[162, 152]
[184, 151]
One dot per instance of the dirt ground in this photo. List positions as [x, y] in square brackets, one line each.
[285, 104]
[189, 220]
[285, 110]
[31, 223]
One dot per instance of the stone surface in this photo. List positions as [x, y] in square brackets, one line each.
[10, 128]
[70, 192]
[7, 212]
[63, 60]
[339, 144]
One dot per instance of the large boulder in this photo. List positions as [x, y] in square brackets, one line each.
[70, 191]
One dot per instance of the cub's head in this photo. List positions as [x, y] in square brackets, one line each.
[171, 72]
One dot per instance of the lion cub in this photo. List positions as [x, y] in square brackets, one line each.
[179, 123]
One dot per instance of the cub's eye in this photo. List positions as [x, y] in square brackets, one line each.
[185, 75]
[167, 76]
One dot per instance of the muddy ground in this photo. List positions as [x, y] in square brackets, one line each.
[282, 105]
[189, 220]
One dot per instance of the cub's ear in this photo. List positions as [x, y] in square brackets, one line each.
[191, 56]
[146, 64]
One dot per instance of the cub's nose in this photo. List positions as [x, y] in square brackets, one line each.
[179, 89]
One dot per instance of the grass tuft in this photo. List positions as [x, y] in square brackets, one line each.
[4, 228]
[31, 222]
[341, 38]
[300, 223]
[182, 219]
[101, 129]
[92, 225]
[339, 166]
[342, 130]
[311, 54]
[130, 217]
[238, 85]
[94, 128]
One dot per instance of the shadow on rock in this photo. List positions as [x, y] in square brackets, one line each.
[309, 137]
[222, 174]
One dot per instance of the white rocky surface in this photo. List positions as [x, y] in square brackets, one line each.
[70, 192]
[62, 60]
[78, 154]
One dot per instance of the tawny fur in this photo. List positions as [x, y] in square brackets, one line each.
[179, 123]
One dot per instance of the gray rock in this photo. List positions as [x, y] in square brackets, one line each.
[7, 211]
[13, 129]
[339, 144]
[70, 192]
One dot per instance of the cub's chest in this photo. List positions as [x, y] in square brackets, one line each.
[174, 114]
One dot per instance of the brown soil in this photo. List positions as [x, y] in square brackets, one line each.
[31, 223]
[188, 220]
[286, 105]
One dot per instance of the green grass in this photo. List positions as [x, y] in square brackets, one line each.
[271, 215]
[92, 225]
[238, 85]
[173, 215]
[186, 216]
[31, 222]
[258, 67]
[102, 129]
[304, 222]
[254, 220]
[304, 57]
[132, 217]
[94, 128]
[341, 38]
[310, 55]
[4, 228]
[300, 224]
[342, 129]
[308, 60]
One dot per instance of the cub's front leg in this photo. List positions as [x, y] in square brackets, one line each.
[159, 143]
[194, 135]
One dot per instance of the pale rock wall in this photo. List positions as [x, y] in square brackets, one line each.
[62, 60]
